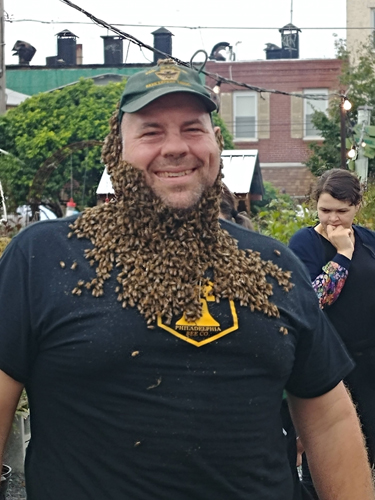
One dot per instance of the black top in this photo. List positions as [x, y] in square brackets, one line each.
[353, 313]
[119, 411]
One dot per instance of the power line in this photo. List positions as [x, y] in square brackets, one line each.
[10, 20]
[218, 78]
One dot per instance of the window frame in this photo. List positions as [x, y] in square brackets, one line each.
[305, 108]
[245, 94]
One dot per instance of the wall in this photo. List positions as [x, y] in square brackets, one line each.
[358, 15]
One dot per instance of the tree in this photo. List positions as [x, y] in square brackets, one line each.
[45, 124]
[358, 76]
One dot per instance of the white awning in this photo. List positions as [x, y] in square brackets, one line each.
[14, 98]
[238, 169]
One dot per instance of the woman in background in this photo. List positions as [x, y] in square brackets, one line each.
[340, 258]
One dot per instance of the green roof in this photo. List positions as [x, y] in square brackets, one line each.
[32, 80]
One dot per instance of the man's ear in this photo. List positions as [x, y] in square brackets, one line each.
[219, 138]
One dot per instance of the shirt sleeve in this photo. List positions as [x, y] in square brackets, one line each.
[329, 283]
[16, 340]
[327, 280]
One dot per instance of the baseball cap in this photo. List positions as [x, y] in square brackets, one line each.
[165, 78]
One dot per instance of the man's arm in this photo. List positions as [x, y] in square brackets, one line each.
[330, 432]
[10, 391]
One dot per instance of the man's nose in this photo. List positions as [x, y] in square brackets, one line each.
[174, 145]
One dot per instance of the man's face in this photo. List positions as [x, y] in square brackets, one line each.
[173, 142]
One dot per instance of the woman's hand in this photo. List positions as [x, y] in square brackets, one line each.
[342, 239]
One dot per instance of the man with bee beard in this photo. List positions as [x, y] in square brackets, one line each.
[155, 341]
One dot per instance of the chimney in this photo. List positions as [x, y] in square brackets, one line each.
[289, 44]
[162, 42]
[25, 52]
[290, 41]
[113, 50]
[66, 47]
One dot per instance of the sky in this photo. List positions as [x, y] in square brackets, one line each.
[38, 21]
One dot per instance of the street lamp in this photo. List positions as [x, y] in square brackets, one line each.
[345, 105]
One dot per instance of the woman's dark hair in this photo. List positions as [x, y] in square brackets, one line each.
[340, 184]
[228, 209]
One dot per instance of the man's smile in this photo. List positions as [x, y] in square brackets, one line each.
[174, 173]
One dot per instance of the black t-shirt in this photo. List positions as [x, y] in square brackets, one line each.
[353, 313]
[120, 411]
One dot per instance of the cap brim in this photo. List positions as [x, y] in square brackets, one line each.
[141, 102]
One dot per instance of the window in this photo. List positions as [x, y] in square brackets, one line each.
[310, 106]
[245, 115]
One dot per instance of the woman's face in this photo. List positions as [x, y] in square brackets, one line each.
[333, 212]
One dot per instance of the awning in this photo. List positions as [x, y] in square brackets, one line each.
[242, 172]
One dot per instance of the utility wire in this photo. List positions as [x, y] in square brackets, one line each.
[196, 28]
[215, 76]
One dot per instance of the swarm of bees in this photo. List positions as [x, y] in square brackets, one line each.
[162, 256]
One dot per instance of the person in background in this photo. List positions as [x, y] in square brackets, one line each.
[155, 340]
[340, 258]
[228, 209]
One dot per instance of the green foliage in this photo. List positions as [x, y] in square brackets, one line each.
[281, 218]
[366, 215]
[327, 154]
[47, 122]
[270, 193]
[4, 240]
[219, 122]
[358, 76]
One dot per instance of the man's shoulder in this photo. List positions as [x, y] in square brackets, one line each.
[47, 233]
[269, 248]
[46, 227]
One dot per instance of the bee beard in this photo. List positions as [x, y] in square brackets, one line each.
[161, 255]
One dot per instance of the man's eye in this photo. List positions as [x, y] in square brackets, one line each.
[150, 133]
[194, 131]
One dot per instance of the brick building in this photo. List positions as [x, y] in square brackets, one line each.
[360, 23]
[278, 126]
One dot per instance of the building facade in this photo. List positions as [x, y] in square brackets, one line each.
[360, 23]
[278, 126]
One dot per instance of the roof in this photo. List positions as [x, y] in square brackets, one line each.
[102, 79]
[15, 98]
[241, 171]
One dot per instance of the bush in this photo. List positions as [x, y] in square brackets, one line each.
[281, 218]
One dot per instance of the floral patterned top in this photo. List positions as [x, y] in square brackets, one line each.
[329, 283]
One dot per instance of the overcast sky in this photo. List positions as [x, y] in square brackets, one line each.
[53, 16]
